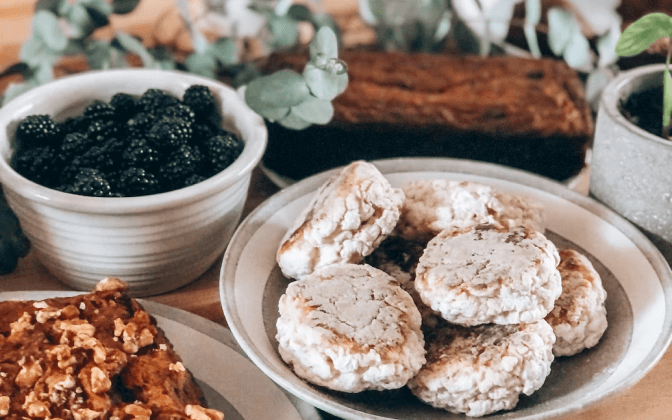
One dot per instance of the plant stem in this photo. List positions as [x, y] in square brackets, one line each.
[667, 95]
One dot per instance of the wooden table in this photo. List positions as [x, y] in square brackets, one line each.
[650, 399]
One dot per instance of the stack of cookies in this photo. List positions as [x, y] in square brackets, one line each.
[447, 287]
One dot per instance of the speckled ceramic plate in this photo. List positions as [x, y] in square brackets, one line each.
[230, 382]
[637, 279]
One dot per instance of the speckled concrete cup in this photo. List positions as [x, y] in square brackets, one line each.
[631, 169]
[155, 243]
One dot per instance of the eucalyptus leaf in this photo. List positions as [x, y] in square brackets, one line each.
[314, 110]
[130, 44]
[274, 114]
[41, 75]
[532, 41]
[98, 55]
[642, 33]
[294, 122]
[282, 7]
[324, 84]
[282, 89]
[532, 18]
[80, 21]
[122, 7]
[45, 25]
[75, 46]
[100, 6]
[203, 64]
[595, 83]
[561, 29]
[99, 19]
[532, 12]
[53, 6]
[324, 42]
[225, 51]
[576, 52]
[284, 32]
[35, 52]
[606, 46]
[299, 12]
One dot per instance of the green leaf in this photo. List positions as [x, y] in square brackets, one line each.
[130, 44]
[324, 84]
[532, 12]
[300, 12]
[281, 89]
[99, 19]
[274, 114]
[100, 6]
[203, 64]
[225, 51]
[54, 6]
[35, 52]
[314, 110]
[606, 46]
[284, 32]
[41, 75]
[642, 33]
[98, 55]
[80, 21]
[45, 25]
[121, 7]
[667, 96]
[576, 52]
[324, 42]
[294, 122]
[282, 7]
[561, 29]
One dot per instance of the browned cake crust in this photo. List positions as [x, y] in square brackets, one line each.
[514, 95]
[94, 356]
[526, 113]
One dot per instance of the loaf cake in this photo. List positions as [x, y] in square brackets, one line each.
[93, 356]
[525, 113]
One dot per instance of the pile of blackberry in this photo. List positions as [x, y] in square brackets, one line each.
[129, 146]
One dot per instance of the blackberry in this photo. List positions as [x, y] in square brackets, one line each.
[36, 130]
[179, 166]
[154, 100]
[220, 152]
[100, 130]
[169, 133]
[38, 164]
[74, 144]
[134, 182]
[125, 106]
[102, 157]
[194, 179]
[77, 124]
[99, 111]
[89, 182]
[140, 154]
[140, 124]
[181, 111]
[201, 100]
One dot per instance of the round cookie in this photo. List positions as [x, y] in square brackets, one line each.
[432, 205]
[483, 369]
[489, 274]
[399, 258]
[346, 219]
[350, 328]
[579, 317]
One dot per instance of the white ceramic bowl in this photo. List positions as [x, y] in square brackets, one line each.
[156, 243]
[637, 279]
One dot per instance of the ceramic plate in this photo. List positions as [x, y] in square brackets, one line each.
[230, 382]
[637, 279]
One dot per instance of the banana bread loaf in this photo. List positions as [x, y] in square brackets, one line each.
[525, 113]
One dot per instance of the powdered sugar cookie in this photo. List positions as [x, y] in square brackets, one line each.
[579, 317]
[399, 258]
[480, 370]
[432, 205]
[347, 218]
[489, 274]
[350, 328]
